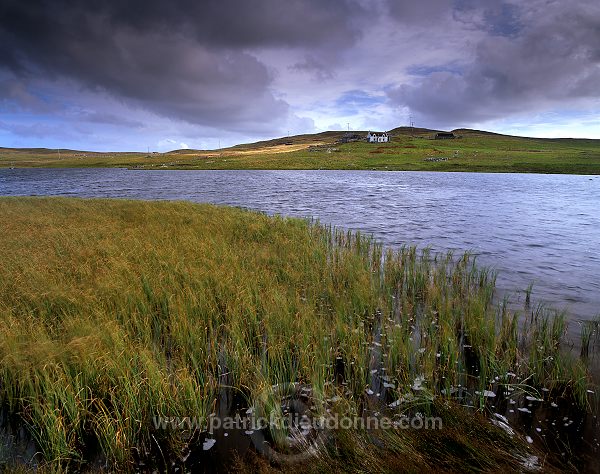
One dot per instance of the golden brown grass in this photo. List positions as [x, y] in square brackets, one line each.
[113, 312]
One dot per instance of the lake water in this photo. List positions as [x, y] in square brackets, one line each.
[540, 229]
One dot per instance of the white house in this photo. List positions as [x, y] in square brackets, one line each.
[378, 137]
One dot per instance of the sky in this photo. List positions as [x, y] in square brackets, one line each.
[137, 75]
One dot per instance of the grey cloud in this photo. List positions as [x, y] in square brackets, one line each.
[231, 68]
[313, 66]
[16, 97]
[493, 16]
[498, 18]
[219, 23]
[502, 19]
[106, 118]
[423, 12]
[187, 60]
[552, 61]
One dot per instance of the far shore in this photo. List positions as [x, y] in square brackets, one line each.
[408, 150]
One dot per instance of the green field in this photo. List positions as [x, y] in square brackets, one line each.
[113, 312]
[410, 149]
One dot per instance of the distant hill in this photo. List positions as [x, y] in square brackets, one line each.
[410, 149]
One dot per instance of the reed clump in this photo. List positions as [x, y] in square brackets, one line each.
[114, 312]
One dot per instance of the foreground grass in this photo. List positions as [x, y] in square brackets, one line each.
[113, 312]
[409, 150]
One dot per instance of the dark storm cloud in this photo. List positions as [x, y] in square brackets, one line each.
[188, 60]
[545, 55]
[190, 71]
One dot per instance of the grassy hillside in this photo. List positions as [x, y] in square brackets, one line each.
[410, 149]
[114, 312]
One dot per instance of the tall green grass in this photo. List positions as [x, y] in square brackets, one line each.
[113, 312]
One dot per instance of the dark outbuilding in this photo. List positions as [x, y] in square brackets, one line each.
[444, 135]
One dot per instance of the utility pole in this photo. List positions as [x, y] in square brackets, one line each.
[59, 153]
[348, 127]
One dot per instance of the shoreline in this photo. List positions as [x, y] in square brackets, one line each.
[482, 172]
[473, 152]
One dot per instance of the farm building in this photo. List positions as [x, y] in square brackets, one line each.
[350, 137]
[444, 135]
[378, 137]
